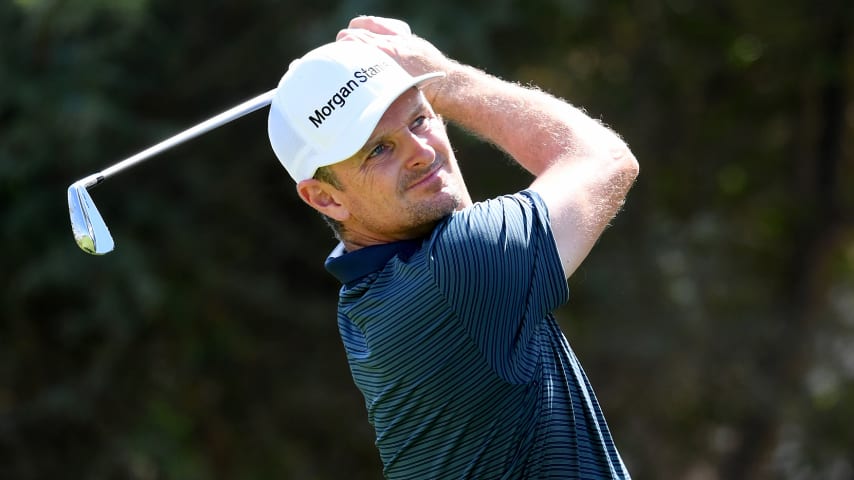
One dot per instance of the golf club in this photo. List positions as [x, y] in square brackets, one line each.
[87, 225]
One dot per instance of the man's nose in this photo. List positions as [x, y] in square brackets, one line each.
[416, 149]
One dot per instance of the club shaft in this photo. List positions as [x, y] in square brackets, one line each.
[227, 116]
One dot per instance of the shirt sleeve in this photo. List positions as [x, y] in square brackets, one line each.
[499, 268]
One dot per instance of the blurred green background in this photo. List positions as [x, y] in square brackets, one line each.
[715, 318]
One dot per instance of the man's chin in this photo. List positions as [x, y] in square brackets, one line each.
[430, 214]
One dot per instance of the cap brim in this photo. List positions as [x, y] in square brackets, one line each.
[369, 119]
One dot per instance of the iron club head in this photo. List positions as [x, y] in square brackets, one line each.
[90, 231]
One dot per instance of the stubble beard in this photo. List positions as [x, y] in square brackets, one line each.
[425, 216]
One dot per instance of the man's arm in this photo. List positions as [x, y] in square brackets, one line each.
[583, 170]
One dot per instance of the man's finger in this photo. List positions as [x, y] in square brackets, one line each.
[381, 25]
[356, 34]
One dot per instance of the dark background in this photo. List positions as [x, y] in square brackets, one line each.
[715, 317]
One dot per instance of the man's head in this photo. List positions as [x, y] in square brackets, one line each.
[386, 168]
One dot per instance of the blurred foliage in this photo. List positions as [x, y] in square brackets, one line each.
[715, 317]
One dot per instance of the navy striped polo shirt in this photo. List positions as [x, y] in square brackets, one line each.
[464, 370]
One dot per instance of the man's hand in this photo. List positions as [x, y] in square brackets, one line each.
[416, 55]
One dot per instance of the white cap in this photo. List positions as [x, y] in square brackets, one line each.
[329, 102]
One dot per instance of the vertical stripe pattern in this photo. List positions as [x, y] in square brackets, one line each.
[464, 371]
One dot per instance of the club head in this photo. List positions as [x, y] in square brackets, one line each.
[90, 231]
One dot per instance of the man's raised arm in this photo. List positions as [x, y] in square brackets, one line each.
[583, 170]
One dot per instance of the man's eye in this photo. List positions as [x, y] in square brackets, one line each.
[419, 122]
[378, 150]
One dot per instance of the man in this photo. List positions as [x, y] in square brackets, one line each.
[445, 309]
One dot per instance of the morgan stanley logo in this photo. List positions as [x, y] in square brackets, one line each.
[339, 99]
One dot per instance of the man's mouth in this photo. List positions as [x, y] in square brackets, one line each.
[431, 173]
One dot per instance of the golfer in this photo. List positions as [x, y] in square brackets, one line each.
[445, 308]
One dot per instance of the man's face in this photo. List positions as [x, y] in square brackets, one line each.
[404, 179]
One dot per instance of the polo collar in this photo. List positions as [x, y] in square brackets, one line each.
[348, 267]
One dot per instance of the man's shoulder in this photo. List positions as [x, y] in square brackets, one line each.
[489, 217]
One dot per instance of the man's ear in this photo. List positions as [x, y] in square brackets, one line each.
[324, 198]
